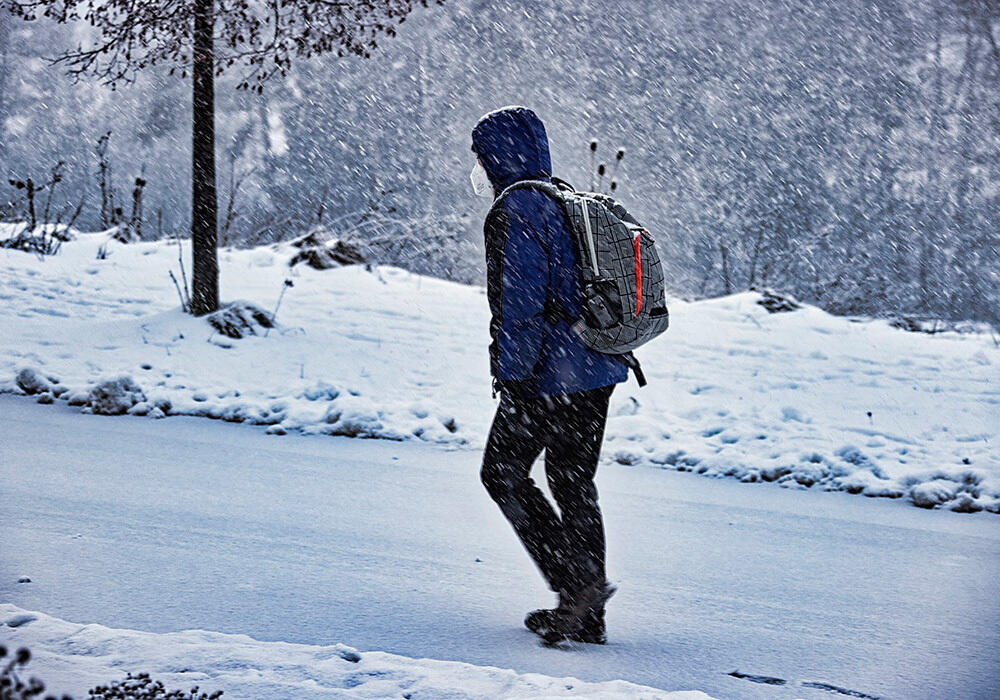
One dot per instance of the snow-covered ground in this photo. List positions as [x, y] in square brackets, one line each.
[181, 524]
[804, 399]
[76, 658]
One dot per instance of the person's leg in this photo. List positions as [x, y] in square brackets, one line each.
[516, 438]
[570, 466]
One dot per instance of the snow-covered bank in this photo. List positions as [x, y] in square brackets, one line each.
[803, 398]
[72, 658]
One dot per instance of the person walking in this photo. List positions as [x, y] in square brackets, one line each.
[554, 390]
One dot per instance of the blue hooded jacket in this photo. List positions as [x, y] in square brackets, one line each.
[531, 258]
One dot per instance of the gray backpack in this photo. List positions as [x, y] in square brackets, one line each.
[621, 278]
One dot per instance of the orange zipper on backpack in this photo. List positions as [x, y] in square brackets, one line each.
[638, 271]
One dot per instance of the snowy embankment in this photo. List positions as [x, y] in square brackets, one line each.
[803, 398]
[73, 658]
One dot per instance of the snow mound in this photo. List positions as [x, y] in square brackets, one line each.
[320, 253]
[31, 382]
[72, 658]
[113, 397]
[240, 319]
[800, 399]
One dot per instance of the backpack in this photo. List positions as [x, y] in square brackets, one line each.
[620, 274]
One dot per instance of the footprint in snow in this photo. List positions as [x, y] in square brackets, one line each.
[754, 678]
[19, 620]
[837, 689]
[48, 312]
[789, 413]
[819, 685]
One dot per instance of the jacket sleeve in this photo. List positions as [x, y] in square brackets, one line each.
[518, 284]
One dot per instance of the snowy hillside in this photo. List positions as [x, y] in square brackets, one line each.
[803, 399]
[73, 658]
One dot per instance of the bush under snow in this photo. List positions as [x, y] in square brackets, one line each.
[240, 319]
[113, 397]
[31, 382]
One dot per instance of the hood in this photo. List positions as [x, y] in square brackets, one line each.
[512, 146]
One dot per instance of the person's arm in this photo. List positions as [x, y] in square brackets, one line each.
[517, 284]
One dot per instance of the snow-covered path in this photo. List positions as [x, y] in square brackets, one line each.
[186, 523]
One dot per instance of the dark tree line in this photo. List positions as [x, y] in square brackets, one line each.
[847, 153]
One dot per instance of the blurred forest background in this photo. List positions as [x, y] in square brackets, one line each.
[847, 153]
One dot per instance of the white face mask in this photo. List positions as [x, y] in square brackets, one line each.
[480, 180]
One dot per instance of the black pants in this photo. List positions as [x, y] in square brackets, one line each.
[568, 548]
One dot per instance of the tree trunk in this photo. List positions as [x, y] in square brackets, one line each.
[757, 245]
[29, 187]
[204, 206]
[4, 108]
[934, 216]
[135, 221]
[726, 282]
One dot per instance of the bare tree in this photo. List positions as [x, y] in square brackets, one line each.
[726, 281]
[30, 189]
[104, 180]
[206, 37]
[135, 220]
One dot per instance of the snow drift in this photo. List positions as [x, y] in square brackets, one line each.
[72, 658]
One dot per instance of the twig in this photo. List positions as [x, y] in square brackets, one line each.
[76, 213]
[180, 259]
[274, 315]
[53, 181]
[184, 305]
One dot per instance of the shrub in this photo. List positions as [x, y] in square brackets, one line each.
[240, 319]
[142, 687]
[138, 687]
[31, 382]
[113, 397]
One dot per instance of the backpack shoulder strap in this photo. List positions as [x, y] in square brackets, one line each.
[556, 192]
[548, 188]
[559, 190]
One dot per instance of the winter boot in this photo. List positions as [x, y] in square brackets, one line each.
[539, 620]
[593, 630]
[579, 617]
